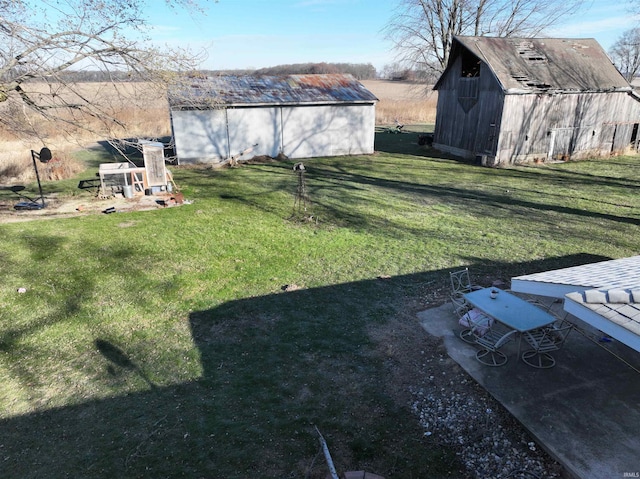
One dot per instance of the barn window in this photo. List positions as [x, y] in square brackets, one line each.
[468, 81]
[470, 65]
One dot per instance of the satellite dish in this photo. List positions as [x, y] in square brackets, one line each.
[45, 155]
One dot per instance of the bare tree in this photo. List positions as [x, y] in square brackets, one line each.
[42, 40]
[422, 30]
[625, 53]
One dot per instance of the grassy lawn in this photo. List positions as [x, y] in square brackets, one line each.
[163, 344]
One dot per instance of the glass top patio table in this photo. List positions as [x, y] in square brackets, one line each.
[509, 309]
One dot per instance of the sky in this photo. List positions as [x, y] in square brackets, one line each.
[251, 34]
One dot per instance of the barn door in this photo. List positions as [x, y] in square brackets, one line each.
[552, 144]
[635, 138]
[607, 133]
[561, 143]
[492, 140]
[623, 137]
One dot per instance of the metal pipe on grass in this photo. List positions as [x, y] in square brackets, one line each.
[327, 455]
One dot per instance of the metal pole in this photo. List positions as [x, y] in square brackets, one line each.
[35, 167]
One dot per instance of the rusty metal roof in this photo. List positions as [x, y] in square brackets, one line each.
[525, 65]
[251, 90]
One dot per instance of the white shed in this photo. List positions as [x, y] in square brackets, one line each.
[222, 117]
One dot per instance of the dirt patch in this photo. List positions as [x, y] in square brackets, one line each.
[66, 207]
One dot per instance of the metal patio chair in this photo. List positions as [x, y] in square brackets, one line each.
[461, 284]
[543, 341]
[491, 341]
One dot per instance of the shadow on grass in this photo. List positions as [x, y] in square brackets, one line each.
[475, 200]
[119, 360]
[495, 197]
[273, 368]
[334, 187]
[408, 143]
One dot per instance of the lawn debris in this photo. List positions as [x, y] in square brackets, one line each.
[177, 199]
[290, 287]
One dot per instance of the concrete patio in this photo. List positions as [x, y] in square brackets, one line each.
[585, 412]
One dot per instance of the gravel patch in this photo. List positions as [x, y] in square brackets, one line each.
[454, 411]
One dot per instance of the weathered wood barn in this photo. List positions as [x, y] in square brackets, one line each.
[219, 118]
[505, 101]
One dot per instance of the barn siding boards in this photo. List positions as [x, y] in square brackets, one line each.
[536, 100]
[301, 116]
[468, 130]
[563, 126]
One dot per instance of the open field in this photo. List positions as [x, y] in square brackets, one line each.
[407, 102]
[148, 116]
[140, 106]
[210, 339]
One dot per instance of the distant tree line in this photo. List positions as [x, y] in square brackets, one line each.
[99, 76]
[401, 72]
[361, 71]
[74, 76]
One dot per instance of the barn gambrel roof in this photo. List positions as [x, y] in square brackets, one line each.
[526, 65]
[254, 90]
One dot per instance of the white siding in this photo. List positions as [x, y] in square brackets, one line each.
[297, 131]
[328, 130]
[251, 126]
[200, 136]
